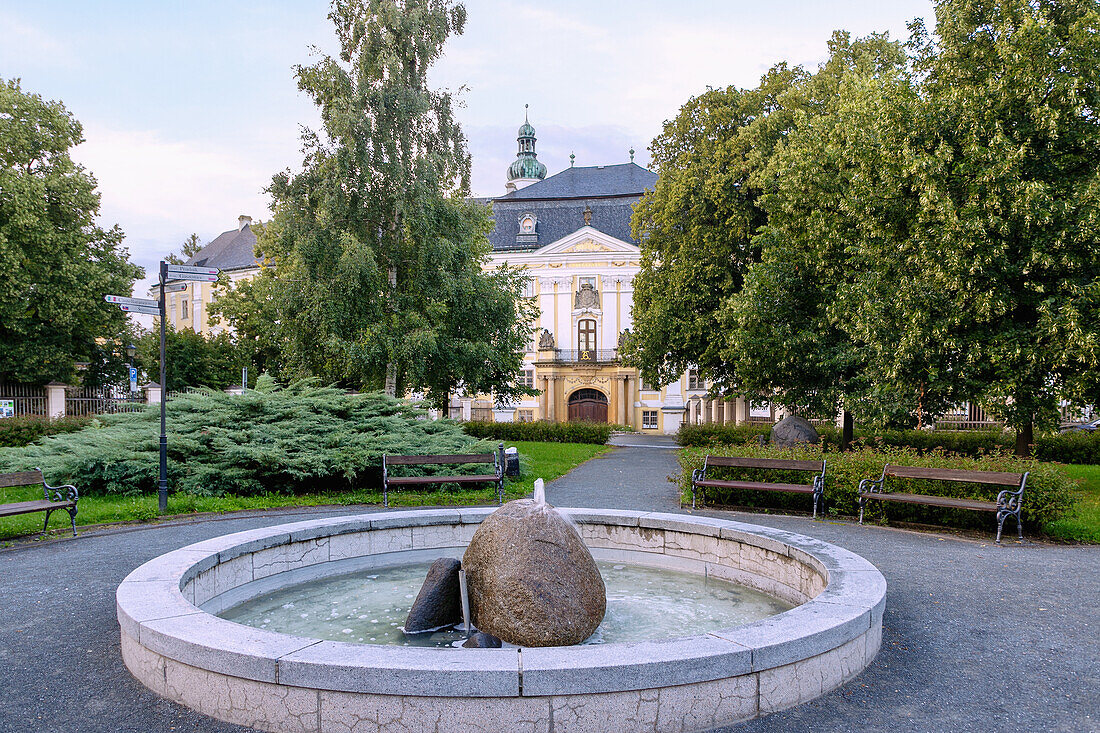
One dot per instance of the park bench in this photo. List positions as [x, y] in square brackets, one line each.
[496, 458]
[1007, 504]
[60, 498]
[700, 483]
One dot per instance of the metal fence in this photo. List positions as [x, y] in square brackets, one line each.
[87, 401]
[29, 399]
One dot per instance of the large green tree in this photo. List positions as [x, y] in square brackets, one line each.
[696, 227]
[379, 252]
[57, 262]
[194, 360]
[823, 322]
[1010, 193]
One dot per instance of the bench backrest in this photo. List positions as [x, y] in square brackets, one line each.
[997, 478]
[22, 478]
[429, 460]
[777, 463]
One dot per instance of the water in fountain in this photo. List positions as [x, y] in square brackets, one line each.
[369, 606]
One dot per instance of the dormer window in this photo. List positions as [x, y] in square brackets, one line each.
[528, 234]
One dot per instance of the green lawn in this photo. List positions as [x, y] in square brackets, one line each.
[1084, 524]
[538, 460]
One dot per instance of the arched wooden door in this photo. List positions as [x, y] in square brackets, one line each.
[588, 405]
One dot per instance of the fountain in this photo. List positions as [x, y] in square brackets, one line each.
[825, 628]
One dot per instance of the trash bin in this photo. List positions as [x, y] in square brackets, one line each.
[511, 462]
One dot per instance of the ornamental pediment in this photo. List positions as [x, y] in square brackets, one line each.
[587, 241]
[587, 245]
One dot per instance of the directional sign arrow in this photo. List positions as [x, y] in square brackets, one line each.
[140, 309]
[187, 269]
[123, 300]
[175, 287]
[190, 276]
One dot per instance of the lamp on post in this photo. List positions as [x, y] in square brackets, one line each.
[131, 373]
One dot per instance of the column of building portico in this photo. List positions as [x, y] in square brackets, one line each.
[620, 400]
[628, 389]
[693, 411]
[544, 409]
[714, 407]
[741, 411]
[551, 399]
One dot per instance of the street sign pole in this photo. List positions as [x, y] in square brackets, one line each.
[162, 486]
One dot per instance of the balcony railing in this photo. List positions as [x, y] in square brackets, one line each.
[594, 356]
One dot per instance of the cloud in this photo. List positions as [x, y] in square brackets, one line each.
[159, 189]
[20, 41]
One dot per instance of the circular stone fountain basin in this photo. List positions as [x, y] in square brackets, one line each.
[369, 606]
[174, 644]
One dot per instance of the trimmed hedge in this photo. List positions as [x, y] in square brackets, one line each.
[541, 431]
[16, 432]
[1078, 447]
[715, 434]
[1048, 497]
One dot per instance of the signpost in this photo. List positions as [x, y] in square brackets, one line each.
[157, 308]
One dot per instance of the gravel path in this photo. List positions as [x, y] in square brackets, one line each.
[976, 637]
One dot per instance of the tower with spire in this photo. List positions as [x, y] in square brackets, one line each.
[525, 169]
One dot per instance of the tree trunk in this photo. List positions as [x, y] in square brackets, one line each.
[847, 431]
[1025, 436]
[391, 371]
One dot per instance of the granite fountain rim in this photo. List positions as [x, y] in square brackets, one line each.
[154, 612]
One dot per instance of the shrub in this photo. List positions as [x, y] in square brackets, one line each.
[1076, 447]
[1048, 497]
[714, 434]
[297, 439]
[16, 432]
[542, 431]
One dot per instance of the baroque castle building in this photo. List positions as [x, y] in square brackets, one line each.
[571, 232]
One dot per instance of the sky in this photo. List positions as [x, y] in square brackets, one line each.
[190, 107]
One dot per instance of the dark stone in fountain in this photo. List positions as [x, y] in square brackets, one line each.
[530, 578]
[438, 603]
[792, 430]
[481, 640]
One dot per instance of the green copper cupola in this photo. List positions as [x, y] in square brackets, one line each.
[525, 169]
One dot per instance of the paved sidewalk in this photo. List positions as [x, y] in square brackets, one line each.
[976, 637]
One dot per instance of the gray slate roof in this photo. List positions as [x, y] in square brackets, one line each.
[232, 250]
[601, 180]
[558, 203]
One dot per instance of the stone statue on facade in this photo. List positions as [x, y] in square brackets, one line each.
[546, 339]
[586, 297]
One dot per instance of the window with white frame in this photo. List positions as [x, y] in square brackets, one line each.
[183, 308]
[525, 415]
[647, 387]
[528, 288]
[588, 280]
[649, 419]
[695, 381]
[527, 378]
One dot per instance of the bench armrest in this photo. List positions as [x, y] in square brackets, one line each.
[1011, 500]
[871, 486]
[60, 493]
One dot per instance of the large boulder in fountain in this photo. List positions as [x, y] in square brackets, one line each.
[530, 578]
[792, 430]
[439, 602]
